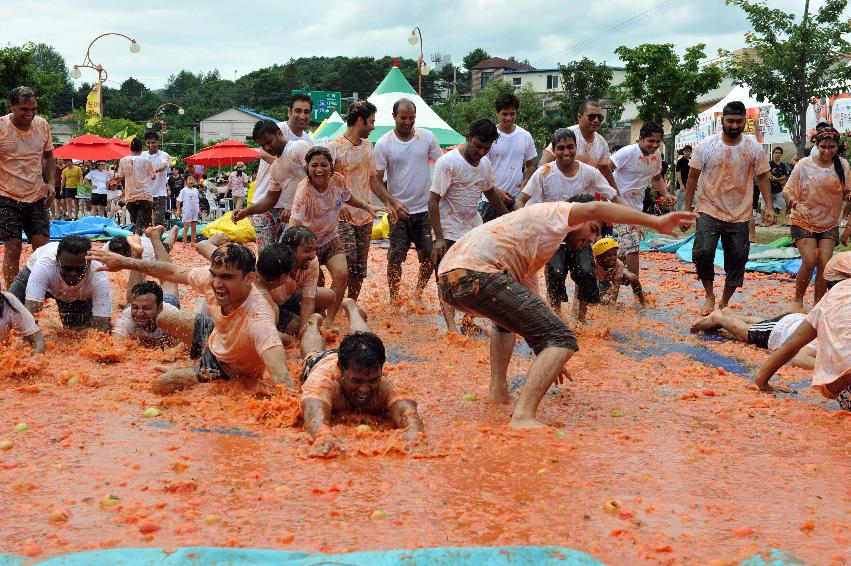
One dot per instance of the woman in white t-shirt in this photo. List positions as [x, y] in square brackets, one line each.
[98, 179]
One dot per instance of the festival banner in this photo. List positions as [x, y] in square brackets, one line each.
[93, 105]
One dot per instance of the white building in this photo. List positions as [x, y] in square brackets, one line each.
[547, 82]
[233, 124]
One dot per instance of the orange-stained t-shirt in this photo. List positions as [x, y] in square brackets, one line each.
[239, 338]
[838, 267]
[357, 164]
[324, 383]
[819, 189]
[725, 188]
[304, 280]
[831, 317]
[320, 212]
[20, 159]
[519, 244]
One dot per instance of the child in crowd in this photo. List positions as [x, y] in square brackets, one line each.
[611, 273]
[188, 207]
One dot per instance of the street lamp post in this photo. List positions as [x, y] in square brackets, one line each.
[422, 69]
[89, 64]
[161, 121]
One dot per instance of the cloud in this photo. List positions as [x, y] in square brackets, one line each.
[245, 36]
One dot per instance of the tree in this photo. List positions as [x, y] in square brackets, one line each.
[789, 63]
[18, 68]
[474, 57]
[664, 87]
[588, 80]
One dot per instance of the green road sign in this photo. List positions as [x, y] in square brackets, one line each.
[324, 102]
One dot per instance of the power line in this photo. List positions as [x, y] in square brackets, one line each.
[609, 31]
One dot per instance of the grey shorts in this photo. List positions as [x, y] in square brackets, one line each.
[511, 306]
[356, 240]
[799, 233]
[288, 310]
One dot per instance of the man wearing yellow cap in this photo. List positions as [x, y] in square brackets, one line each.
[611, 273]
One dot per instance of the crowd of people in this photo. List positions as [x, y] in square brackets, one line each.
[484, 223]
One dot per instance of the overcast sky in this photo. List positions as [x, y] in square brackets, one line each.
[247, 35]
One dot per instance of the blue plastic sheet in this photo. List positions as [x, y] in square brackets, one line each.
[86, 226]
[461, 556]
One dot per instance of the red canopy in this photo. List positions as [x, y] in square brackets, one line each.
[222, 154]
[91, 147]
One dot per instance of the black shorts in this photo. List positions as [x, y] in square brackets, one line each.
[209, 368]
[57, 193]
[31, 218]
[799, 233]
[287, 311]
[70, 192]
[416, 229]
[759, 332]
[98, 199]
[310, 361]
[511, 306]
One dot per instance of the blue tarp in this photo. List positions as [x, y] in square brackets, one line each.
[469, 556]
[762, 264]
[86, 226]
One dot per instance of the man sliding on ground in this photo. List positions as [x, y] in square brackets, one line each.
[490, 272]
[238, 339]
[350, 378]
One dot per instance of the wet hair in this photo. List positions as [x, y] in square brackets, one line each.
[20, 94]
[404, 102]
[74, 245]
[147, 288]
[650, 128]
[582, 198]
[119, 245]
[137, 145]
[264, 127]
[274, 261]
[152, 135]
[318, 150]
[563, 134]
[362, 348]
[831, 133]
[294, 236]
[734, 108]
[303, 97]
[360, 109]
[235, 256]
[583, 108]
[483, 129]
[507, 100]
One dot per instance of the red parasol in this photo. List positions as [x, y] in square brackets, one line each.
[119, 141]
[91, 147]
[222, 154]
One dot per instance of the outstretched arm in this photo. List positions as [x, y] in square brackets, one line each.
[803, 335]
[619, 214]
[159, 269]
[275, 360]
[37, 342]
[404, 413]
[317, 423]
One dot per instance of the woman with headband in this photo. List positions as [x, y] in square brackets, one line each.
[815, 192]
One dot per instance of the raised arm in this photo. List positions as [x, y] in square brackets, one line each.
[161, 270]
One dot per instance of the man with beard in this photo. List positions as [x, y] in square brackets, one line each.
[350, 378]
[490, 272]
[591, 147]
[403, 153]
[724, 164]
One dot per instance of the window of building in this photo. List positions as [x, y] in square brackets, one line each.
[487, 76]
[552, 82]
[515, 81]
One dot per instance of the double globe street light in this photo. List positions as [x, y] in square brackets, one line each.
[422, 69]
[89, 64]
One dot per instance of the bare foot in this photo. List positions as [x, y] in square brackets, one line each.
[526, 423]
[796, 306]
[155, 232]
[135, 243]
[499, 393]
[168, 383]
[708, 305]
[351, 306]
[315, 320]
[172, 236]
[709, 322]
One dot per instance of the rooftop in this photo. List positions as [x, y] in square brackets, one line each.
[500, 63]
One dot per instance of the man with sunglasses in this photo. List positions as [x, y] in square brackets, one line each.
[591, 148]
[60, 270]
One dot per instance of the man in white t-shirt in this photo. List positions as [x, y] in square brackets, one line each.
[591, 147]
[491, 272]
[460, 177]
[59, 270]
[98, 179]
[14, 316]
[635, 167]
[403, 154]
[160, 161]
[512, 155]
[561, 181]
[269, 222]
[270, 209]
